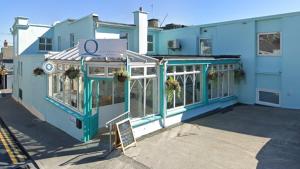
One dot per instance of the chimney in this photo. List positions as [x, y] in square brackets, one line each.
[5, 44]
[153, 23]
[141, 32]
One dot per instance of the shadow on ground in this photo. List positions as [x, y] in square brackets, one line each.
[45, 142]
[282, 126]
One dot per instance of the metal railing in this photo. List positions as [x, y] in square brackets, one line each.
[112, 122]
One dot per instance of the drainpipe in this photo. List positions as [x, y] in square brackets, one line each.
[162, 80]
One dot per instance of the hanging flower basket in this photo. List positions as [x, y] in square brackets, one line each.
[171, 86]
[212, 75]
[3, 71]
[38, 71]
[239, 73]
[72, 73]
[121, 75]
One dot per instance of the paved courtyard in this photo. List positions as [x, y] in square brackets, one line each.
[244, 137]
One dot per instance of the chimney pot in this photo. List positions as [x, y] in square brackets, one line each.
[5, 43]
[141, 9]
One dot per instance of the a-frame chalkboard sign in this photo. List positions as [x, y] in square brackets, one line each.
[125, 134]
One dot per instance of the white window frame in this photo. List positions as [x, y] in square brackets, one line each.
[153, 46]
[200, 49]
[145, 77]
[267, 103]
[72, 40]
[50, 88]
[46, 43]
[220, 94]
[268, 33]
[106, 66]
[185, 73]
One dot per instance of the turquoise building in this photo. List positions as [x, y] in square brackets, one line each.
[251, 61]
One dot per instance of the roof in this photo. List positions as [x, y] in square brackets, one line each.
[195, 57]
[72, 54]
[116, 24]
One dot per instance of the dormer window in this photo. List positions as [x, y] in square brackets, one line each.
[45, 44]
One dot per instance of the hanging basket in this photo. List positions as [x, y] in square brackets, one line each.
[72, 73]
[239, 74]
[212, 75]
[38, 71]
[121, 75]
[3, 71]
[171, 86]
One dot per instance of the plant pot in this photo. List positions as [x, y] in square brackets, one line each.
[122, 78]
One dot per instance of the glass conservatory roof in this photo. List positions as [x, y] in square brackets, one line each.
[72, 54]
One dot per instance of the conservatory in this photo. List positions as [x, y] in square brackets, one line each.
[153, 91]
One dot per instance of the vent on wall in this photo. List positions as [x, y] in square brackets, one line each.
[268, 97]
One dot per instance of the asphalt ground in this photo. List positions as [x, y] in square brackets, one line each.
[12, 154]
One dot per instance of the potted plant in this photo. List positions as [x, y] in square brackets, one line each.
[3, 71]
[72, 73]
[171, 86]
[38, 71]
[239, 73]
[212, 75]
[121, 75]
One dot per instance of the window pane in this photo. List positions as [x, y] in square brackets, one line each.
[49, 47]
[118, 92]
[150, 46]
[189, 68]
[150, 38]
[137, 71]
[170, 69]
[179, 69]
[151, 96]
[205, 47]
[74, 93]
[105, 92]
[189, 89]
[42, 40]
[98, 71]
[179, 100]
[198, 67]
[137, 98]
[151, 70]
[269, 44]
[225, 83]
[49, 41]
[112, 70]
[67, 91]
[94, 95]
[42, 47]
[198, 89]
[57, 86]
[170, 105]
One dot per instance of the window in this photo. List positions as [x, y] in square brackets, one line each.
[124, 35]
[268, 97]
[59, 43]
[72, 40]
[190, 81]
[45, 44]
[205, 47]
[143, 92]
[65, 90]
[223, 84]
[269, 44]
[150, 43]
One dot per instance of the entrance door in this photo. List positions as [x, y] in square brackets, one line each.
[107, 99]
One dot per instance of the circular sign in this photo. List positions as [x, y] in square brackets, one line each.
[91, 47]
[49, 67]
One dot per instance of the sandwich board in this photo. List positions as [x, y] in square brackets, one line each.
[125, 134]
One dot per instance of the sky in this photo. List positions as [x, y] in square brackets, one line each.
[187, 12]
